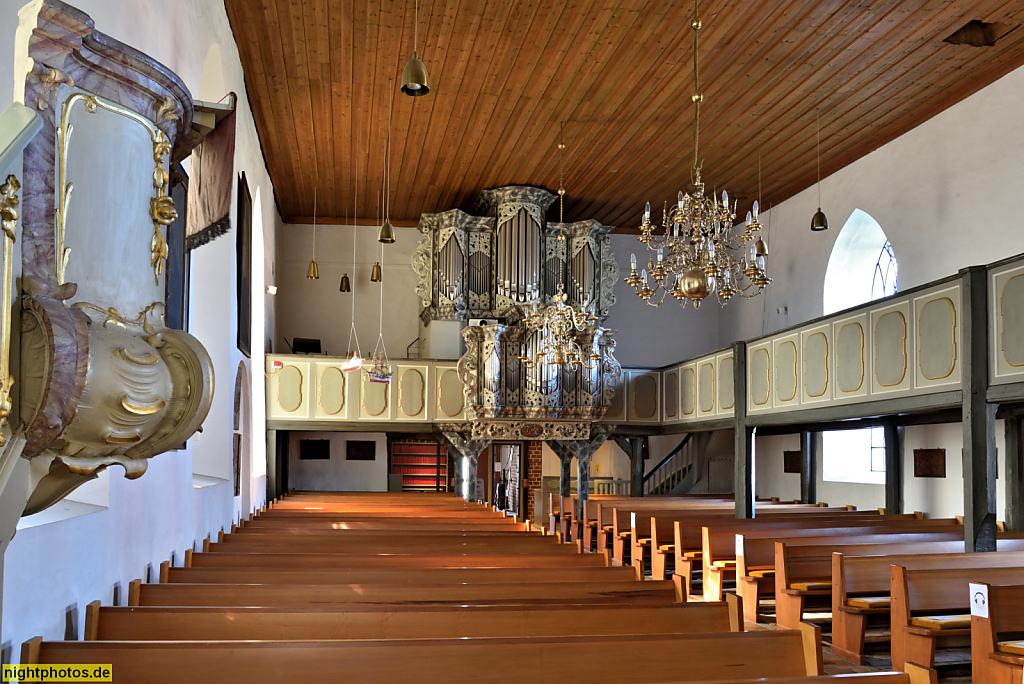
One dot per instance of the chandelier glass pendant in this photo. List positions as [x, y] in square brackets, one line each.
[559, 321]
[697, 252]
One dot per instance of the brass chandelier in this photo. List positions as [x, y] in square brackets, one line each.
[559, 321]
[698, 253]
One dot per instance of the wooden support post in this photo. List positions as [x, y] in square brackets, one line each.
[134, 592]
[564, 474]
[743, 464]
[636, 467]
[165, 571]
[810, 449]
[893, 468]
[188, 559]
[582, 481]
[979, 417]
[1014, 476]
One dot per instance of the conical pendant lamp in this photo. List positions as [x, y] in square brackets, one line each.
[818, 221]
[415, 81]
[387, 231]
[313, 272]
[346, 284]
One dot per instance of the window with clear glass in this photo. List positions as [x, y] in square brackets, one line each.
[862, 268]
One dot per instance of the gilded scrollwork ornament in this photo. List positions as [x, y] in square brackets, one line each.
[9, 221]
[161, 205]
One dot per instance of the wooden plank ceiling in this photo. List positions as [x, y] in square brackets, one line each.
[504, 73]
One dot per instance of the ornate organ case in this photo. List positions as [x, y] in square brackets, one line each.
[494, 266]
[486, 265]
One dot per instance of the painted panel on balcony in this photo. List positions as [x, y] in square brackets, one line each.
[937, 338]
[786, 372]
[850, 357]
[1008, 324]
[643, 396]
[815, 365]
[330, 396]
[889, 350]
[706, 387]
[759, 377]
[689, 391]
[374, 401]
[617, 411]
[289, 395]
[726, 395]
[671, 399]
[412, 392]
[451, 399]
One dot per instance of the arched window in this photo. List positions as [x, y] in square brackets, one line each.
[862, 268]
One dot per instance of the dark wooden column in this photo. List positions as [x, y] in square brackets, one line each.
[893, 469]
[565, 474]
[582, 450]
[743, 464]
[979, 417]
[633, 446]
[1014, 475]
[810, 449]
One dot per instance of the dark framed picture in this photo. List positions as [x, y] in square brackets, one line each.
[243, 246]
[314, 449]
[360, 450]
[178, 255]
[791, 462]
[236, 461]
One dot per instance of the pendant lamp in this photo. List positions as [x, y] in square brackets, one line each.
[415, 81]
[313, 272]
[387, 231]
[818, 221]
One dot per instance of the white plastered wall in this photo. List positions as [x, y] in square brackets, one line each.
[52, 571]
[337, 473]
[316, 308]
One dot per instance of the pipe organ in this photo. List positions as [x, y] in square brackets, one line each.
[486, 265]
[499, 264]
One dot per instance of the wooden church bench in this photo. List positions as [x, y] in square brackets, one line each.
[303, 575]
[861, 584]
[719, 543]
[174, 623]
[284, 559]
[296, 595]
[341, 545]
[724, 656]
[996, 653]
[803, 569]
[919, 595]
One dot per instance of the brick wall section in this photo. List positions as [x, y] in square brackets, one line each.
[534, 469]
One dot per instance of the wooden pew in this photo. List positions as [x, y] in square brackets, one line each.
[344, 595]
[861, 584]
[404, 622]
[661, 534]
[285, 559]
[724, 656]
[803, 570]
[996, 653]
[625, 519]
[719, 542]
[917, 595]
[301, 575]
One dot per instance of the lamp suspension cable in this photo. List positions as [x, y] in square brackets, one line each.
[817, 131]
[698, 96]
